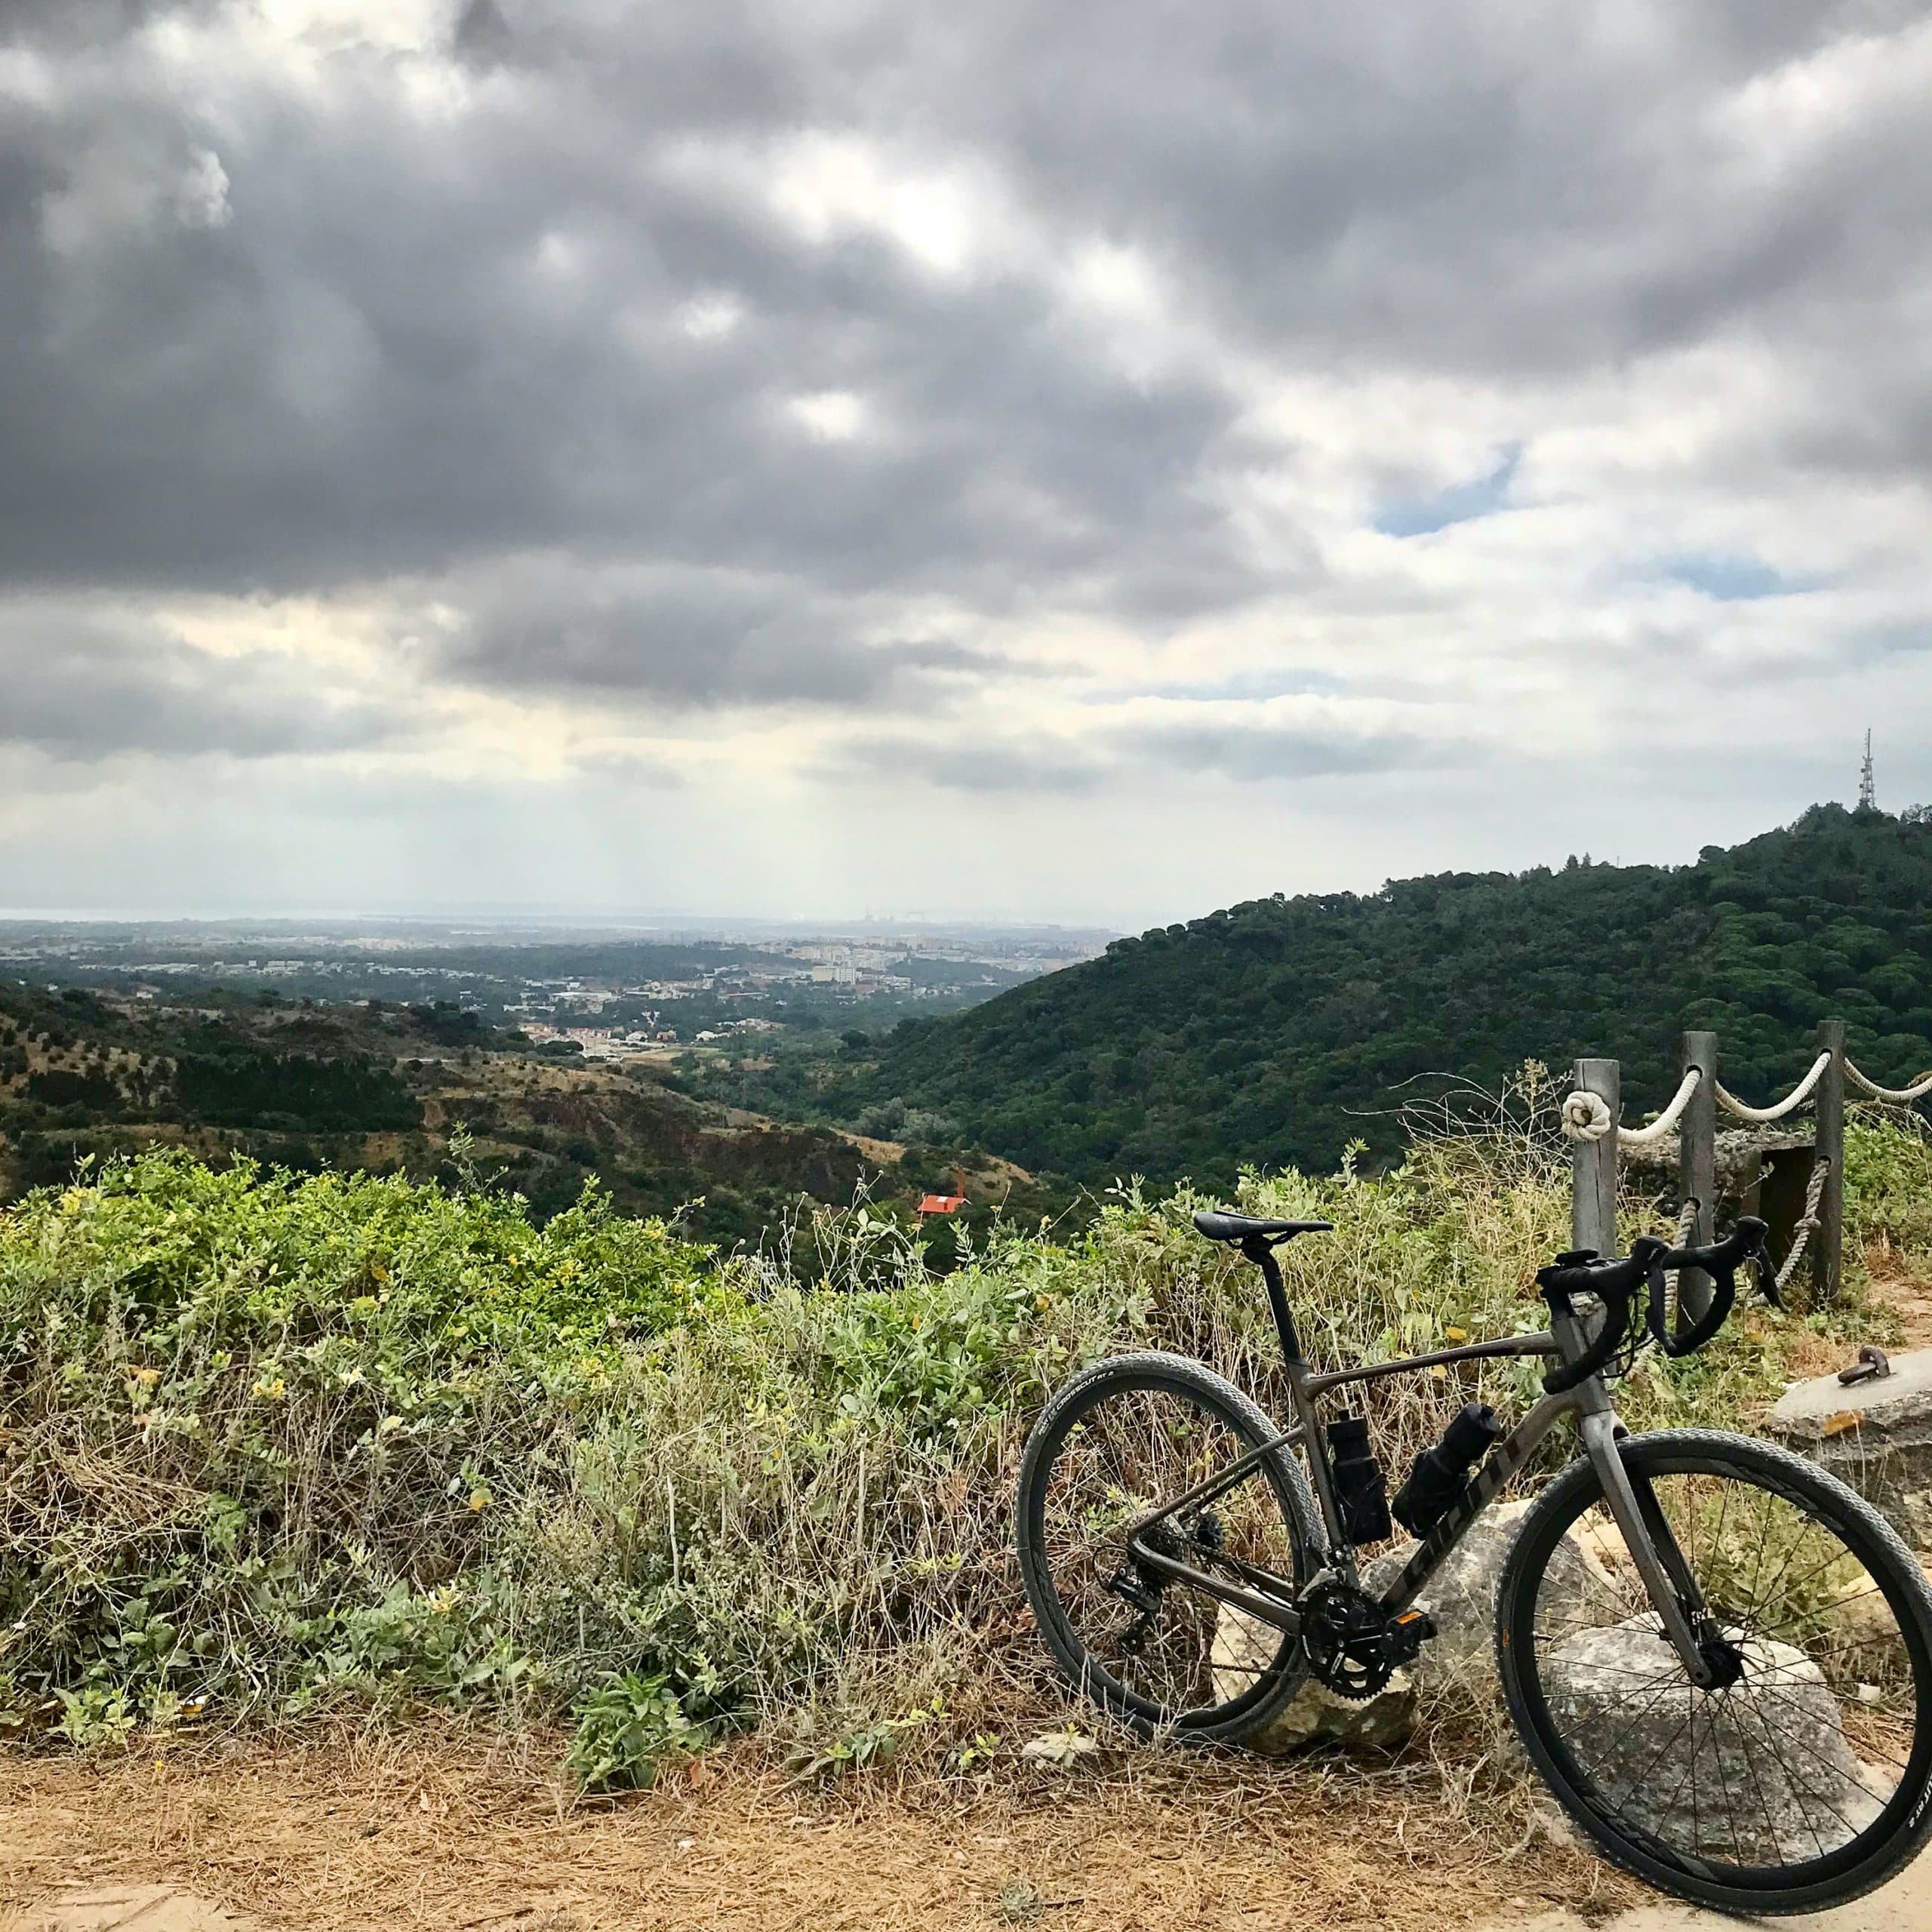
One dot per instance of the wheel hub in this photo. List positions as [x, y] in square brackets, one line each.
[1724, 1660]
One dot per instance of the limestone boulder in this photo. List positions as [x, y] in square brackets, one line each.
[1315, 1715]
[1761, 1773]
[1461, 1600]
[1460, 1597]
[1875, 1435]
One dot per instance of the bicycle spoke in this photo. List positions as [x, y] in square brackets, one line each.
[1785, 1765]
[1777, 1770]
[1171, 1650]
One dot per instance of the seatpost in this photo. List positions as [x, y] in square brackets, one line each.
[1261, 1252]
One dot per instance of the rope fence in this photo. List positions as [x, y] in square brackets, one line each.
[1814, 1193]
[1899, 1097]
[1792, 1101]
[1586, 1116]
[1760, 1170]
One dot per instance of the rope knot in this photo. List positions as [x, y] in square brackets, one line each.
[1585, 1116]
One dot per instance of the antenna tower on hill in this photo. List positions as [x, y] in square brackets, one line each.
[1868, 793]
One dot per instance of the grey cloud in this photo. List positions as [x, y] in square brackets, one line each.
[367, 368]
[696, 639]
[1268, 752]
[412, 345]
[76, 23]
[482, 35]
[1452, 187]
[1127, 755]
[81, 686]
[977, 762]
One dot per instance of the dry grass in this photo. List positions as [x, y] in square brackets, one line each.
[450, 1831]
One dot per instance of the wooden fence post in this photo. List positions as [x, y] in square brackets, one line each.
[1697, 1164]
[1593, 1164]
[1827, 1252]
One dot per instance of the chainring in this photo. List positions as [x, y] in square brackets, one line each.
[1348, 1640]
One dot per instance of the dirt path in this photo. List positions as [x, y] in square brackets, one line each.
[469, 1837]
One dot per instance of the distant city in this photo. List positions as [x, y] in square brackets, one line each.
[612, 991]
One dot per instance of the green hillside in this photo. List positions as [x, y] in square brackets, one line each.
[385, 1088]
[1278, 1031]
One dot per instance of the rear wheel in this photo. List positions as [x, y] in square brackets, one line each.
[1802, 1778]
[1116, 1445]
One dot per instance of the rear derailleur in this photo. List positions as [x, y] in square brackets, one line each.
[1141, 1585]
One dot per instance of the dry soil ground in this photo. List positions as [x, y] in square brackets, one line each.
[465, 1833]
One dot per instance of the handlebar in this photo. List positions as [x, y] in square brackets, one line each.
[1720, 1260]
[1614, 1283]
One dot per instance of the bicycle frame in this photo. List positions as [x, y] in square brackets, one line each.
[1666, 1576]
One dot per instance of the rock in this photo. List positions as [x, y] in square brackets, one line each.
[1066, 1750]
[1315, 1714]
[1461, 1596]
[1875, 1435]
[1769, 1778]
[1461, 1599]
[1019, 1904]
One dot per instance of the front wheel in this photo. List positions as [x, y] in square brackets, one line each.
[1115, 1446]
[1803, 1777]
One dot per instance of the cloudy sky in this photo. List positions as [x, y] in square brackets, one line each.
[1037, 457]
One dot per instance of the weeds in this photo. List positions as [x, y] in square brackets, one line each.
[628, 1731]
[1888, 1190]
[274, 1444]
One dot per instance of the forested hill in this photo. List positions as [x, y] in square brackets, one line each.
[1278, 1030]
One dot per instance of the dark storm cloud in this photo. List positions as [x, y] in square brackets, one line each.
[263, 332]
[82, 686]
[400, 346]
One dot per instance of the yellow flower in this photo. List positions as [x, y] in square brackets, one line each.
[1456, 1334]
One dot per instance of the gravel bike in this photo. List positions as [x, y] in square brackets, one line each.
[1718, 1658]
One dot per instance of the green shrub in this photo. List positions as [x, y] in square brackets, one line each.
[627, 1731]
[1888, 1183]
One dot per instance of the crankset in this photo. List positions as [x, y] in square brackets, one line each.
[1353, 1644]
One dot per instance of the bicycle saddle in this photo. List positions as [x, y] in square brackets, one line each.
[1218, 1225]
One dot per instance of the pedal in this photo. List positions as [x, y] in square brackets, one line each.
[1408, 1633]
